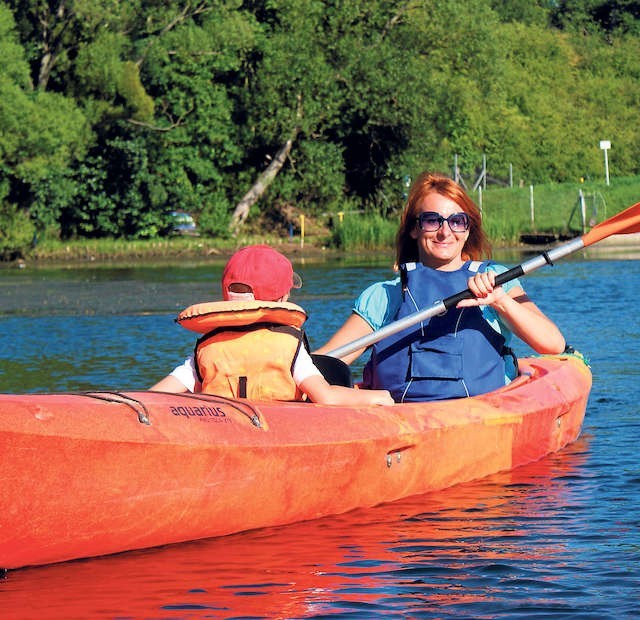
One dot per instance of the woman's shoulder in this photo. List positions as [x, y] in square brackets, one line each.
[379, 302]
[380, 291]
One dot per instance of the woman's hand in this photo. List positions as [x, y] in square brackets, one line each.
[520, 314]
[353, 328]
[486, 293]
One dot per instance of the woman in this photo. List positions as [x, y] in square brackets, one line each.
[440, 247]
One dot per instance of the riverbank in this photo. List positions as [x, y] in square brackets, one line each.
[197, 249]
[175, 248]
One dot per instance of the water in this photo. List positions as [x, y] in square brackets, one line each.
[556, 539]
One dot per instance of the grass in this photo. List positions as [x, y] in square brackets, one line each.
[553, 208]
[507, 214]
[171, 247]
[357, 232]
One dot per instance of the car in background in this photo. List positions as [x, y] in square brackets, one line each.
[183, 223]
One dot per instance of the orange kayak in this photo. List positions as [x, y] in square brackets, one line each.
[102, 472]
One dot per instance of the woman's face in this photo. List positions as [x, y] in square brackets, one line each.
[441, 248]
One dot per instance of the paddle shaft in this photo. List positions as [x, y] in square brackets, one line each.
[440, 307]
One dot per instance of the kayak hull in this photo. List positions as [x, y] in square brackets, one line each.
[98, 473]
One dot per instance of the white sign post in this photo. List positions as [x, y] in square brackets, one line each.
[605, 145]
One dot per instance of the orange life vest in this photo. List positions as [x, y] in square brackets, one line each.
[248, 348]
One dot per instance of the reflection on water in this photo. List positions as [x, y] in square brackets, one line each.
[497, 543]
[558, 538]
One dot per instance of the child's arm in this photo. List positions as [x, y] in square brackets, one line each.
[319, 391]
[182, 379]
[169, 384]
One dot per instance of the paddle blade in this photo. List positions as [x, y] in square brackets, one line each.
[625, 222]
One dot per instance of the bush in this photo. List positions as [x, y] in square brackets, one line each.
[17, 232]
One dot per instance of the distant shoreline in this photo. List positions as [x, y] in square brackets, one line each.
[619, 246]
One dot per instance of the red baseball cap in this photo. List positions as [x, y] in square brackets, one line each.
[268, 273]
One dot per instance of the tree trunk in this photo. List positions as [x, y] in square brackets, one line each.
[265, 179]
[54, 24]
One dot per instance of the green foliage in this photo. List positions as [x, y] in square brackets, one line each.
[16, 232]
[316, 181]
[132, 91]
[597, 16]
[99, 64]
[114, 202]
[113, 114]
[38, 131]
[364, 233]
[41, 131]
[524, 11]
[556, 208]
[214, 216]
[14, 67]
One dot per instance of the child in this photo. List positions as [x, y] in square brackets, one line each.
[252, 344]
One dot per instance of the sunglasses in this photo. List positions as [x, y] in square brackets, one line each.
[430, 221]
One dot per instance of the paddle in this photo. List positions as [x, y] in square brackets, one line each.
[625, 222]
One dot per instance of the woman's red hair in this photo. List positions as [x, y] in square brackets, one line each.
[477, 245]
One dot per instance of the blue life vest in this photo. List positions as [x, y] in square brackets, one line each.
[453, 355]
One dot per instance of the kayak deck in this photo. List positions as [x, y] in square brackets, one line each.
[96, 473]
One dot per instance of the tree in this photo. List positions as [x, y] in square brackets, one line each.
[40, 133]
[326, 81]
[598, 16]
[114, 114]
[156, 80]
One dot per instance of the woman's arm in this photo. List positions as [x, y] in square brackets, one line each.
[518, 312]
[375, 307]
[353, 328]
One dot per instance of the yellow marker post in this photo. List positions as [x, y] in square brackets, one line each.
[301, 230]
